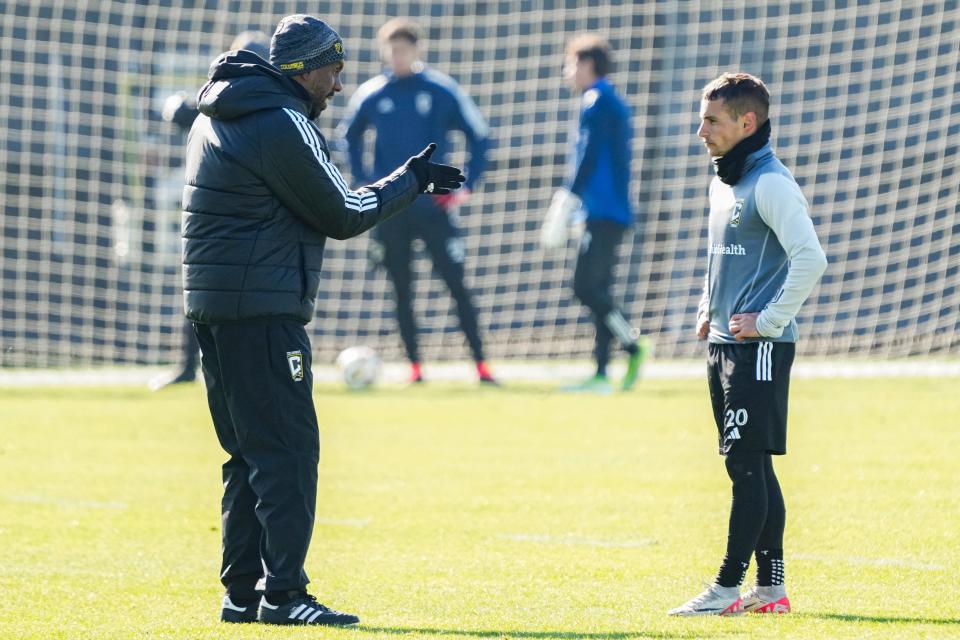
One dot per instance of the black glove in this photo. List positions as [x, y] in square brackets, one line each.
[438, 179]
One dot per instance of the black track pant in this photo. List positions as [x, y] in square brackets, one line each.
[757, 512]
[593, 278]
[189, 350]
[392, 248]
[259, 389]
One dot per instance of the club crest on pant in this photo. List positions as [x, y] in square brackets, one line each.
[456, 250]
[585, 240]
[295, 362]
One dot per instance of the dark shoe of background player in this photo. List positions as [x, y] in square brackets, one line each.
[484, 376]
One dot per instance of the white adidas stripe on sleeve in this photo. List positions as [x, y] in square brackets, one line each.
[354, 200]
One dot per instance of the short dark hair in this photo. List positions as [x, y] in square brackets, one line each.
[404, 28]
[741, 93]
[590, 46]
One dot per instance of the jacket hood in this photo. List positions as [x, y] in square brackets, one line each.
[242, 82]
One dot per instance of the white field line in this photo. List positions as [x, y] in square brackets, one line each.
[868, 562]
[395, 373]
[68, 503]
[572, 540]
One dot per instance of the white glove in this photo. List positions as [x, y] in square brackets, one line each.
[556, 224]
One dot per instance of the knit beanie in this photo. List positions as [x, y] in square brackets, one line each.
[302, 43]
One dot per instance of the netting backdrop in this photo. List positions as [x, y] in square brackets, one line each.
[865, 113]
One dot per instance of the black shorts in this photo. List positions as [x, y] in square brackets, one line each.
[749, 385]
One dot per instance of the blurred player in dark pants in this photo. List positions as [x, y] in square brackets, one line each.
[600, 187]
[406, 106]
[181, 110]
[764, 258]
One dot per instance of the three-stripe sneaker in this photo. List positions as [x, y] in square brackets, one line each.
[303, 609]
[766, 600]
[239, 611]
[715, 601]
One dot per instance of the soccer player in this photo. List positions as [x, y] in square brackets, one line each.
[260, 200]
[764, 259]
[599, 185]
[405, 106]
[181, 110]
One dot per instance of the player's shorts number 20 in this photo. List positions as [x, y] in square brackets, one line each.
[736, 418]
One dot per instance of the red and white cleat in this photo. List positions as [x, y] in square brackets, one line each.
[766, 600]
[715, 601]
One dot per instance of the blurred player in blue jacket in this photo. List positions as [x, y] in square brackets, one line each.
[598, 186]
[407, 106]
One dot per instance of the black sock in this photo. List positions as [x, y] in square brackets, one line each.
[277, 598]
[244, 601]
[732, 572]
[769, 567]
[631, 348]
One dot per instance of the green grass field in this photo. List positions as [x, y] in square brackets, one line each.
[449, 511]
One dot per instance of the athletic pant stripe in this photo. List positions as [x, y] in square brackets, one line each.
[765, 362]
[770, 361]
[619, 326]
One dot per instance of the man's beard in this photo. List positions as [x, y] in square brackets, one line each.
[317, 106]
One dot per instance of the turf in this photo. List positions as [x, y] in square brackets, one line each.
[448, 511]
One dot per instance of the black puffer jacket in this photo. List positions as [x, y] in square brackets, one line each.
[262, 196]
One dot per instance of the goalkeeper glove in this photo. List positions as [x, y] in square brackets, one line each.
[432, 177]
[180, 110]
[556, 225]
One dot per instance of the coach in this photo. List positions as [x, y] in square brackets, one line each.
[261, 197]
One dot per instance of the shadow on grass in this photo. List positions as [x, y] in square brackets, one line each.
[470, 390]
[544, 635]
[853, 617]
[92, 394]
[448, 390]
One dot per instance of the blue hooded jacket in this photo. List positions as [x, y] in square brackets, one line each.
[601, 158]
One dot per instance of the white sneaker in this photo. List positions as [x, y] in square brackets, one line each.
[715, 601]
[766, 600]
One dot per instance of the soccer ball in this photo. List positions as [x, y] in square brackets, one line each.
[359, 366]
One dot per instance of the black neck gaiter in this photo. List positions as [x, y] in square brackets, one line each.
[730, 166]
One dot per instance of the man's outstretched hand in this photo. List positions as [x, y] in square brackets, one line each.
[432, 177]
